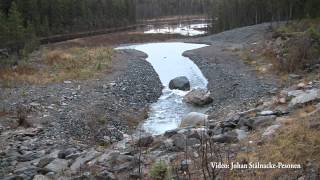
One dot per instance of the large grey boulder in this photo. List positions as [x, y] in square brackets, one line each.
[305, 97]
[257, 122]
[181, 83]
[198, 97]
[82, 160]
[231, 137]
[194, 119]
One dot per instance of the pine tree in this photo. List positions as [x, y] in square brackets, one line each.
[31, 41]
[15, 27]
[3, 28]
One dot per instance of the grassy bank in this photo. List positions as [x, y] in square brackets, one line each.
[293, 48]
[54, 65]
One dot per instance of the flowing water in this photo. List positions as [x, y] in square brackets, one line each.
[168, 62]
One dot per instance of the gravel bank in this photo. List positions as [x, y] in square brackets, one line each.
[89, 109]
[233, 84]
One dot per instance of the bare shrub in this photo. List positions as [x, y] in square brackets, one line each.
[298, 54]
[294, 50]
[22, 114]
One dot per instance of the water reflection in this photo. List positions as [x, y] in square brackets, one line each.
[183, 29]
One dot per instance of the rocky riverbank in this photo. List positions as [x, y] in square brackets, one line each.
[38, 119]
[252, 118]
[234, 85]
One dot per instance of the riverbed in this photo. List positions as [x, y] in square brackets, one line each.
[169, 63]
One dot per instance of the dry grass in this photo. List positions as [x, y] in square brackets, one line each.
[58, 65]
[295, 48]
[295, 143]
[300, 48]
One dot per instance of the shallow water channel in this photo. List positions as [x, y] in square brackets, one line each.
[168, 62]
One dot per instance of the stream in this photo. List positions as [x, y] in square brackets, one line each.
[168, 62]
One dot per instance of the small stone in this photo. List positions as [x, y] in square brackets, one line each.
[270, 130]
[294, 93]
[145, 141]
[282, 100]
[241, 134]
[184, 164]
[44, 161]
[28, 157]
[34, 104]
[193, 142]
[67, 82]
[64, 153]
[41, 177]
[28, 171]
[105, 175]
[170, 133]
[301, 85]
[295, 76]
[266, 113]
[194, 134]
[226, 138]
[58, 165]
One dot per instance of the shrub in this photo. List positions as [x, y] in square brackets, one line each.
[299, 52]
[22, 113]
[160, 171]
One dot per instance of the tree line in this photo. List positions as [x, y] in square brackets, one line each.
[146, 9]
[228, 14]
[21, 20]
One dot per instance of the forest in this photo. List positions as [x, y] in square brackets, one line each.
[22, 21]
[159, 89]
[146, 9]
[228, 14]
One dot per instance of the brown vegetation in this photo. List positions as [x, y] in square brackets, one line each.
[58, 65]
[2, 113]
[22, 115]
[297, 142]
[115, 39]
[293, 48]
